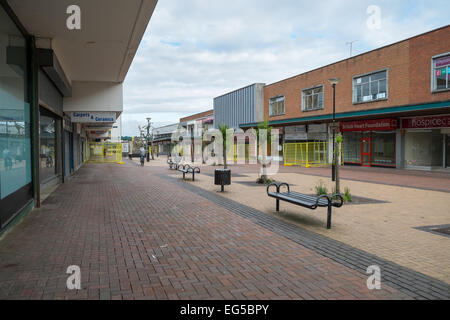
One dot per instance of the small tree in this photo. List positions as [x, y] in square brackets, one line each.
[337, 158]
[264, 125]
[223, 130]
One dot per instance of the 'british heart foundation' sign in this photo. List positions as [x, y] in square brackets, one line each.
[440, 121]
[369, 125]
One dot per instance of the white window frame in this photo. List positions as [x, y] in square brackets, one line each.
[354, 79]
[304, 96]
[433, 72]
[277, 99]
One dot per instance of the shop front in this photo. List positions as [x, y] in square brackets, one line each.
[16, 188]
[49, 148]
[370, 142]
[427, 142]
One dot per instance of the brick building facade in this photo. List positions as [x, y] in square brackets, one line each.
[379, 95]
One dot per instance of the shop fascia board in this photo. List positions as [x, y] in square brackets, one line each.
[390, 111]
[105, 46]
[95, 97]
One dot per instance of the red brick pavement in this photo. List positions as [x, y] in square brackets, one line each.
[136, 236]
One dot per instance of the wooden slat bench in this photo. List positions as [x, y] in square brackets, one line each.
[304, 200]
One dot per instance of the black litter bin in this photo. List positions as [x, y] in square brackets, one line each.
[222, 177]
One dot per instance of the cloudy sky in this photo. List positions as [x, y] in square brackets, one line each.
[194, 50]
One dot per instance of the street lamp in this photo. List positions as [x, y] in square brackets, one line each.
[334, 82]
[148, 135]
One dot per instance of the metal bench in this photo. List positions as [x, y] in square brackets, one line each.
[172, 164]
[307, 201]
[188, 169]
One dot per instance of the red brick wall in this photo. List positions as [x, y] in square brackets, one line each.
[198, 115]
[408, 64]
[422, 48]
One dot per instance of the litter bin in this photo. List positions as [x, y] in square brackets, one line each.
[222, 177]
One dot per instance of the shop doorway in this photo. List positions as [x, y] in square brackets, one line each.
[366, 147]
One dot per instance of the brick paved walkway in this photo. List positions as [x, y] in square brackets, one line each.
[413, 283]
[138, 236]
[419, 179]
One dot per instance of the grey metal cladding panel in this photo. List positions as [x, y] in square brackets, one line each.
[48, 92]
[236, 107]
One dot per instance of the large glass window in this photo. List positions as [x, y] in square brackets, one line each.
[15, 144]
[47, 126]
[352, 147]
[423, 148]
[383, 148]
[312, 99]
[276, 106]
[441, 73]
[370, 87]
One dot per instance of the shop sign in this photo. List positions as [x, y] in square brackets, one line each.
[440, 62]
[100, 133]
[295, 133]
[369, 125]
[316, 128]
[208, 120]
[440, 121]
[96, 117]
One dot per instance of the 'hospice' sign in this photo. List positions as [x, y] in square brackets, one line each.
[97, 117]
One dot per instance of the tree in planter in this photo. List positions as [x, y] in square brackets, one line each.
[337, 156]
[264, 125]
[223, 128]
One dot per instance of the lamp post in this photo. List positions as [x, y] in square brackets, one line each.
[334, 82]
[148, 135]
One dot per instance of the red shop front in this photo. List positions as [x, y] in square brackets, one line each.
[370, 142]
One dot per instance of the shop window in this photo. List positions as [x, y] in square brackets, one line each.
[352, 147]
[276, 106]
[423, 148]
[47, 157]
[15, 143]
[312, 99]
[383, 148]
[370, 87]
[441, 73]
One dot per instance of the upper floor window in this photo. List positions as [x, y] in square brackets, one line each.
[370, 87]
[276, 106]
[312, 99]
[441, 70]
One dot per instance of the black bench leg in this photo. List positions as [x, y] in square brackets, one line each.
[193, 174]
[278, 204]
[183, 176]
[329, 217]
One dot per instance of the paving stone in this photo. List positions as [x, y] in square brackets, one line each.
[113, 219]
